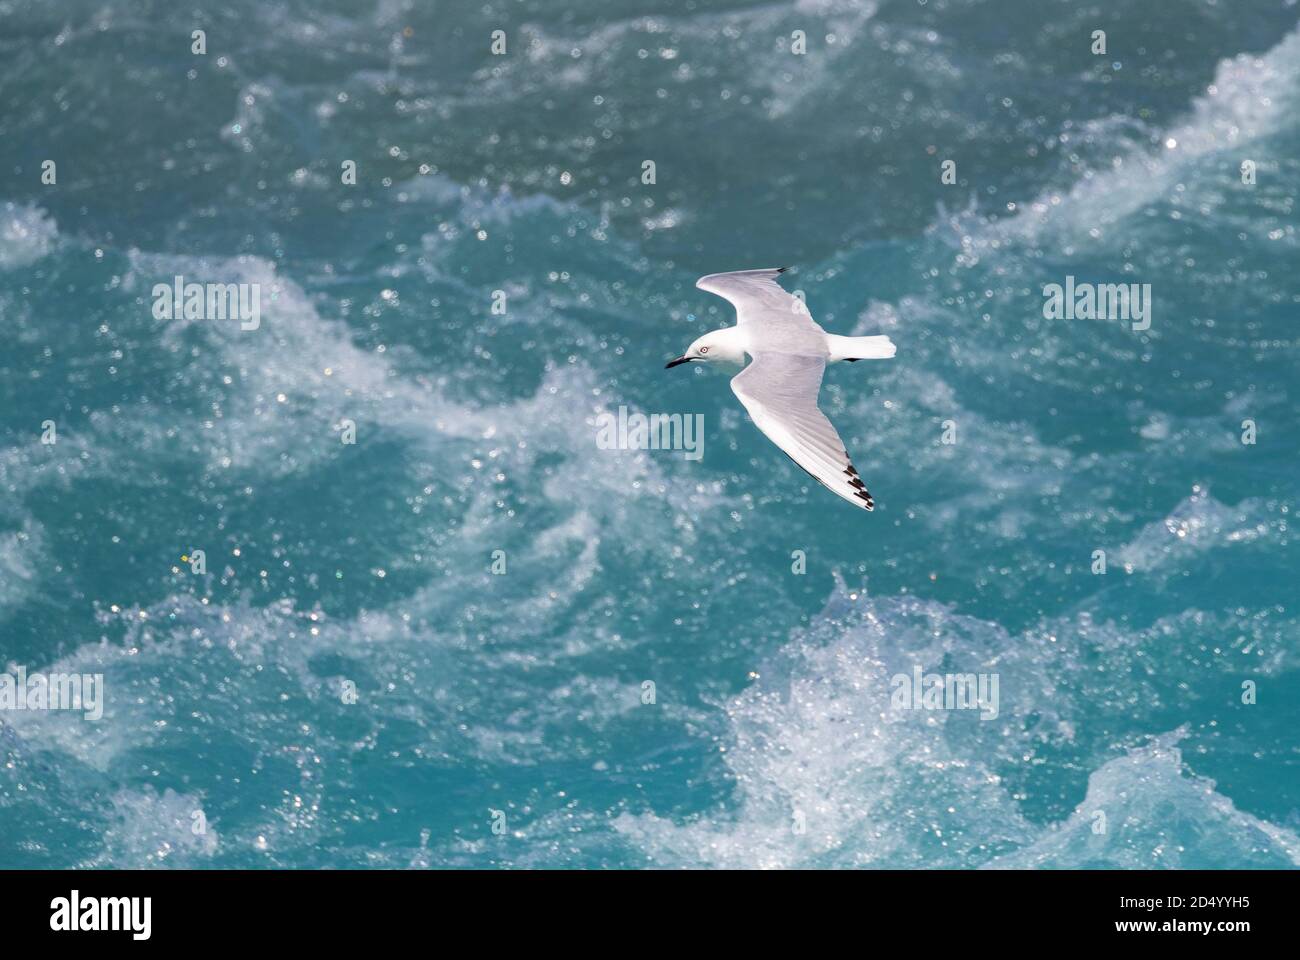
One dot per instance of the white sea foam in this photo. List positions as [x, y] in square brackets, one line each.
[411, 661]
[815, 736]
[27, 233]
[324, 378]
[1200, 523]
[1145, 811]
[147, 829]
[815, 741]
[834, 41]
[1251, 97]
[22, 555]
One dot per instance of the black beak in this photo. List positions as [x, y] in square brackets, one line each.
[680, 360]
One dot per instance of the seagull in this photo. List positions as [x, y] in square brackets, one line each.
[789, 352]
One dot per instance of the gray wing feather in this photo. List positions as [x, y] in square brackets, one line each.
[780, 392]
[758, 298]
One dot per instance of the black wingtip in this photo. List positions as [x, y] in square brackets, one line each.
[782, 269]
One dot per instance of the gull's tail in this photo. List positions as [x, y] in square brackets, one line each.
[860, 348]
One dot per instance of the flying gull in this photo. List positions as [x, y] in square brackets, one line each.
[789, 352]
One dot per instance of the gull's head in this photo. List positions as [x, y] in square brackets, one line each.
[718, 345]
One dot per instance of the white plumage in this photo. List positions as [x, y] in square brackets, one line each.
[779, 387]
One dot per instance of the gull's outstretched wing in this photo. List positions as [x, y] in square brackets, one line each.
[757, 297]
[780, 392]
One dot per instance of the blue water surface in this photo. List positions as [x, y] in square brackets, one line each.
[350, 684]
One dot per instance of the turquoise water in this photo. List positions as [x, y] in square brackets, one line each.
[515, 700]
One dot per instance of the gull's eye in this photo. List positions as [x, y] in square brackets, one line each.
[703, 350]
